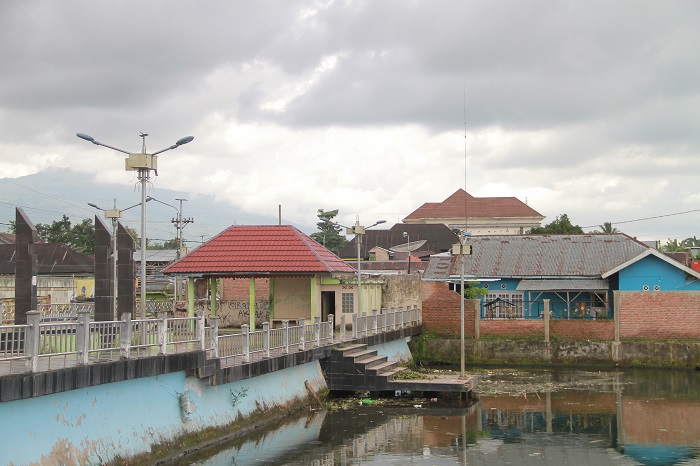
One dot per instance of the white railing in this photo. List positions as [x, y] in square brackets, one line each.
[49, 345]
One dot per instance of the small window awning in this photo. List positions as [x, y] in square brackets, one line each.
[575, 284]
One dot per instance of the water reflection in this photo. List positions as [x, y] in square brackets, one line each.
[635, 417]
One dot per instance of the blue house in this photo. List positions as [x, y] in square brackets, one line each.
[577, 273]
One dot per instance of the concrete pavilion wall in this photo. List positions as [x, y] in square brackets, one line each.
[97, 424]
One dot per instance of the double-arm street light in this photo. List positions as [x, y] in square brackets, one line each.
[180, 223]
[114, 214]
[461, 249]
[143, 163]
[408, 249]
[357, 230]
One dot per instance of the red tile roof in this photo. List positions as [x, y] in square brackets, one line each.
[476, 207]
[255, 250]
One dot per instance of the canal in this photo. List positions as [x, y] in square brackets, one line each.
[521, 417]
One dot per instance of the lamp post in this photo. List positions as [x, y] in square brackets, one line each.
[143, 163]
[114, 214]
[408, 249]
[357, 230]
[180, 223]
[462, 249]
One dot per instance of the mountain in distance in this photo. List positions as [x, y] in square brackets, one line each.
[48, 195]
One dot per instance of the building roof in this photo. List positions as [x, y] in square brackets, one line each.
[461, 202]
[156, 255]
[543, 256]
[438, 237]
[52, 258]
[580, 284]
[7, 238]
[259, 250]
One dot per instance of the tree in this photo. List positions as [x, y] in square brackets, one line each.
[169, 244]
[560, 226]
[674, 246]
[607, 228]
[329, 232]
[80, 237]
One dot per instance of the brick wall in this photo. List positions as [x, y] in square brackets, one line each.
[659, 314]
[514, 327]
[583, 329]
[239, 289]
[442, 310]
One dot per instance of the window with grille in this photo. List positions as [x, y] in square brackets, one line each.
[503, 305]
[347, 301]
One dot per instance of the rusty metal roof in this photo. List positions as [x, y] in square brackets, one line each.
[580, 284]
[539, 256]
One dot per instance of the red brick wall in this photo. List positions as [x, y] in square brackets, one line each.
[239, 289]
[659, 314]
[514, 327]
[583, 329]
[441, 310]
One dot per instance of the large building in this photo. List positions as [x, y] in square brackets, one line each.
[479, 215]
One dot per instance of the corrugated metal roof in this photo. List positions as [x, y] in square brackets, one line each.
[544, 255]
[583, 284]
[273, 249]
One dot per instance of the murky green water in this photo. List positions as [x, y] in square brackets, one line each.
[521, 418]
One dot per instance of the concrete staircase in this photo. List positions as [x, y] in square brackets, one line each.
[356, 368]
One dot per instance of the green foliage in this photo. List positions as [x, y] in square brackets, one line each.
[329, 233]
[472, 291]
[608, 229]
[169, 244]
[560, 226]
[674, 246]
[80, 237]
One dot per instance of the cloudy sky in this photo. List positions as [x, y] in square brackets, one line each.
[590, 108]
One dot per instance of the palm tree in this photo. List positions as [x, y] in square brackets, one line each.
[608, 229]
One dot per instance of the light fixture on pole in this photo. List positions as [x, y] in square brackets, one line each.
[143, 163]
[461, 249]
[408, 249]
[114, 214]
[357, 230]
[180, 223]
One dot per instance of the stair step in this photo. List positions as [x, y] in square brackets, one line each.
[391, 372]
[371, 361]
[379, 369]
[351, 349]
[357, 355]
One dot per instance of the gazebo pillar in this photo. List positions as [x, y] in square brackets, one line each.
[271, 289]
[213, 288]
[251, 298]
[314, 298]
[190, 296]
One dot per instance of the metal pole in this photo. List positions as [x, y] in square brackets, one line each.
[461, 290]
[114, 264]
[359, 271]
[143, 177]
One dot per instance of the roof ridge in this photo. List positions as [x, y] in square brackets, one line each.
[311, 247]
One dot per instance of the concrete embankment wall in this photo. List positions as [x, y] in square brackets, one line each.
[626, 353]
[99, 423]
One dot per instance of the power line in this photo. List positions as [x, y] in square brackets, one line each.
[647, 218]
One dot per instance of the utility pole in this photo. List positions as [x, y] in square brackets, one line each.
[180, 223]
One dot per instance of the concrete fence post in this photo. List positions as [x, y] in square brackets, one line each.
[355, 323]
[546, 320]
[302, 336]
[125, 336]
[393, 318]
[32, 337]
[374, 322]
[82, 336]
[616, 314]
[285, 336]
[266, 338]
[245, 335]
[214, 336]
[342, 327]
[477, 319]
[364, 324]
[317, 331]
[162, 333]
[201, 327]
[331, 321]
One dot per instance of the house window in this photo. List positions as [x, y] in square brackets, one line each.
[503, 305]
[347, 302]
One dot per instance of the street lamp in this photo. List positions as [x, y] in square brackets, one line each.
[408, 248]
[462, 249]
[357, 230]
[180, 223]
[114, 214]
[144, 163]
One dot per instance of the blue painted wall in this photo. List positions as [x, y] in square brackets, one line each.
[652, 271]
[95, 424]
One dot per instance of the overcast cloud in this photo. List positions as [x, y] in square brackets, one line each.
[590, 108]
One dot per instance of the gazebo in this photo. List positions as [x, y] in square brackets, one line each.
[303, 275]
